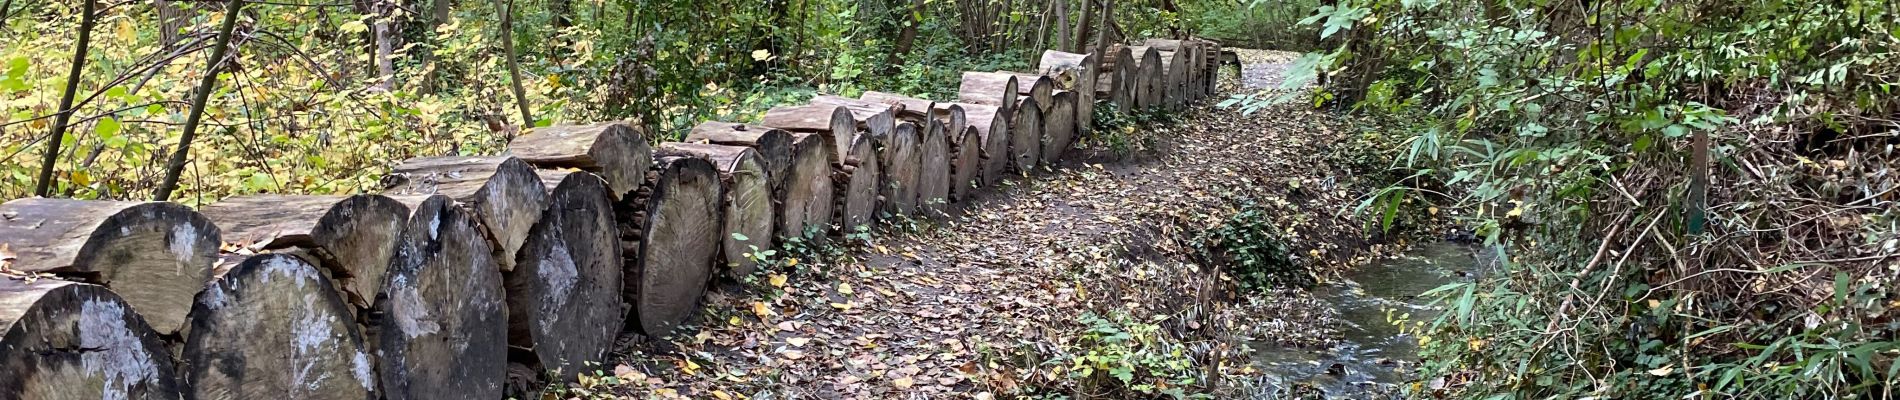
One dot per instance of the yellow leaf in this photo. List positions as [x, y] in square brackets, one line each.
[734, 321]
[689, 366]
[777, 280]
[791, 262]
[759, 308]
[1664, 371]
[721, 394]
[761, 55]
[902, 383]
[844, 288]
[841, 306]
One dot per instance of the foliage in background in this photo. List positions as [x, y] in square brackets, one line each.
[1572, 131]
[1256, 24]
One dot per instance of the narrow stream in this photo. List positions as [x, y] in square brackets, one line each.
[1372, 356]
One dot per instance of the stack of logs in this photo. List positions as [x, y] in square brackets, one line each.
[466, 272]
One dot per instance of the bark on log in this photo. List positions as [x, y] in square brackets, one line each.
[774, 147]
[156, 256]
[994, 134]
[876, 119]
[67, 340]
[900, 165]
[504, 192]
[910, 108]
[991, 89]
[616, 151]
[564, 302]
[954, 118]
[442, 329]
[1025, 143]
[1038, 87]
[1075, 72]
[966, 163]
[934, 171]
[747, 209]
[809, 190]
[1059, 127]
[352, 238]
[857, 183]
[679, 242]
[274, 327]
[837, 123]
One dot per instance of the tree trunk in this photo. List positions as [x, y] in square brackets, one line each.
[438, 15]
[1082, 30]
[747, 210]
[616, 151]
[993, 137]
[504, 192]
[679, 236]
[1059, 126]
[176, 166]
[564, 295]
[987, 88]
[171, 20]
[774, 147]
[385, 36]
[513, 60]
[442, 328]
[274, 326]
[88, 17]
[78, 341]
[158, 255]
[900, 161]
[352, 238]
[907, 37]
[1063, 34]
[809, 189]
[1025, 144]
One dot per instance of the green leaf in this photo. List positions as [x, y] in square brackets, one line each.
[739, 237]
[16, 68]
[116, 92]
[107, 127]
[1392, 208]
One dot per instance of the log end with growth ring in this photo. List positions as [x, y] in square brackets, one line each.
[67, 340]
[564, 302]
[678, 245]
[156, 256]
[442, 329]
[273, 326]
[748, 209]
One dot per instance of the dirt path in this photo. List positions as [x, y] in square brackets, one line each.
[992, 303]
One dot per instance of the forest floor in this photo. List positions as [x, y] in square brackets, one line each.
[1081, 280]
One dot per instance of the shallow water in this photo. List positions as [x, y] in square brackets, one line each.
[1372, 356]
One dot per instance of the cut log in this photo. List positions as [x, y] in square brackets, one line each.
[1074, 72]
[157, 256]
[442, 328]
[616, 151]
[504, 192]
[954, 118]
[835, 122]
[1035, 86]
[1059, 127]
[67, 340]
[1117, 74]
[678, 245]
[966, 163]
[747, 207]
[1148, 77]
[933, 171]
[1173, 80]
[809, 191]
[1170, 48]
[774, 147]
[274, 327]
[857, 185]
[352, 238]
[910, 108]
[993, 134]
[899, 164]
[1025, 143]
[988, 88]
[1211, 63]
[564, 301]
[876, 119]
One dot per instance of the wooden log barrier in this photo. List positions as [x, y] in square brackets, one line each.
[876, 119]
[993, 136]
[1077, 73]
[1025, 143]
[69, 340]
[504, 192]
[909, 108]
[900, 164]
[615, 151]
[934, 169]
[833, 121]
[989, 88]
[1035, 86]
[442, 330]
[966, 164]
[679, 240]
[747, 210]
[156, 256]
[273, 326]
[857, 185]
[1149, 79]
[1172, 86]
[351, 237]
[564, 296]
[773, 145]
[1059, 126]
[809, 200]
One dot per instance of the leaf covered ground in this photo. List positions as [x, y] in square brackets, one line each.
[1080, 281]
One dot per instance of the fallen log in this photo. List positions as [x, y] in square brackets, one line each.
[1116, 81]
[1059, 126]
[987, 88]
[857, 184]
[1173, 84]
[1184, 50]
[934, 170]
[156, 255]
[1036, 87]
[876, 119]
[352, 238]
[774, 147]
[442, 329]
[615, 151]
[900, 166]
[835, 122]
[966, 163]
[564, 301]
[68, 340]
[809, 191]
[504, 192]
[274, 327]
[747, 209]
[1148, 79]
[1025, 143]
[679, 240]
[1076, 73]
[993, 135]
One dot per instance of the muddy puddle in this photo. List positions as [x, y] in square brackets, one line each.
[1371, 356]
